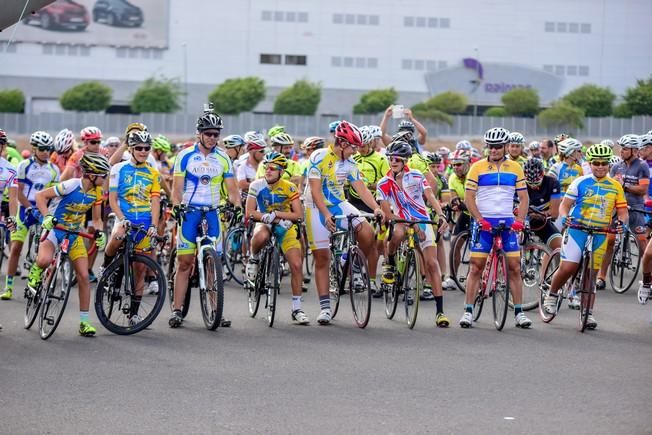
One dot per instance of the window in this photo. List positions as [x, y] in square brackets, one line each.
[348, 62]
[431, 65]
[573, 27]
[266, 15]
[548, 68]
[584, 70]
[59, 49]
[73, 50]
[338, 18]
[442, 64]
[549, 26]
[571, 70]
[294, 59]
[585, 27]
[349, 19]
[290, 17]
[274, 59]
[559, 70]
[85, 50]
[374, 20]
[132, 53]
[278, 15]
[406, 64]
[360, 62]
[561, 27]
[302, 17]
[444, 23]
[336, 61]
[48, 48]
[421, 21]
[158, 54]
[432, 22]
[147, 53]
[362, 19]
[419, 65]
[372, 62]
[408, 21]
[121, 52]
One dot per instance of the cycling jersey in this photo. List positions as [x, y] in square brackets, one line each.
[442, 186]
[495, 186]
[595, 200]
[71, 203]
[203, 174]
[59, 161]
[13, 156]
[519, 159]
[636, 174]
[293, 170]
[332, 173]
[418, 163]
[36, 176]
[246, 172]
[8, 177]
[135, 186]
[548, 163]
[540, 196]
[372, 167]
[456, 184]
[565, 173]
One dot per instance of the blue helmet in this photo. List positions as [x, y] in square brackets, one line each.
[333, 126]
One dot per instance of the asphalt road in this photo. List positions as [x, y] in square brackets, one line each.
[332, 379]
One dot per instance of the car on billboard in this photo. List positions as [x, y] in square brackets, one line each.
[118, 13]
[60, 15]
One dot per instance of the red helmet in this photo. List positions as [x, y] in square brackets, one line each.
[349, 132]
[90, 133]
[256, 144]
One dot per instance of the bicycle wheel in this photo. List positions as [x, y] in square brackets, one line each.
[272, 282]
[233, 257]
[412, 287]
[33, 301]
[120, 306]
[255, 291]
[500, 291]
[587, 292]
[3, 244]
[478, 304]
[390, 294]
[212, 297]
[460, 259]
[359, 287]
[550, 266]
[334, 280]
[57, 292]
[30, 255]
[625, 262]
[172, 274]
[533, 256]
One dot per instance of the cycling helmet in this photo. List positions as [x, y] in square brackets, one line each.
[534, 145]
[233, 141]
[614, 160]
[443, 152]
[256, 144]
[476, 154]
[599, 152]
[407, 125]
[111, 140]
[276, 158]
[349, 132]
[516, 138]
[463, 145]
[333, 126]
[375, 131]
[90, 133]
[209, 121]
[161, 143]
[496, 136]
[276, 130]
[3, 134]
[26, 154]
[534, 171]
[404, 135]
[460, 156]
[366, 135]
[64, 141]
[281, 139]
[646, 139]
[432, 158]
[137, 137]
[252, 136]
[135, 126]
[399, 148]
[41, 139]
[568, 146]
[313, 142]
[631, 141]
[560, 137]
[608, 142]
[95, 164]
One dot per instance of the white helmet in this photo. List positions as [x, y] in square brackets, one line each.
[568, 146]
[496, 136]
[443, 152]
[534, 145]
[253, 136]
[516, 138]
[614, 160]
[41, 139]
[646, 139]
[608, 142]
[64, 141]
[464, 145]
[366, 134]
[375, 131]
[630, 141]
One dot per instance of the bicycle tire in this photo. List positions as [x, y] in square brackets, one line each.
[532, 261]
[234, 260]
[390, 295]
[478, 304]
[500, 295]
[3, 244]
[460, 244]
[587, 288]
[33, 305]
[171, 275]
[272, 283]
[255, 291]
[412, 290]
[361, 293]
[114, 307]
[334, 281]
[549, 269]
[212, 297]
[624, 267]
[51, 311]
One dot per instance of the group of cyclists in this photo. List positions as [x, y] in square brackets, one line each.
[278, 185]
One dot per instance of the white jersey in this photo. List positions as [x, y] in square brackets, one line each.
[36, 176]
[7, 175]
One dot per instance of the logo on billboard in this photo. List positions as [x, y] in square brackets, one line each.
[498, 87]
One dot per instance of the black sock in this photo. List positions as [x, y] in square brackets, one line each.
[439, 303]
[391, 260]
[647, 278]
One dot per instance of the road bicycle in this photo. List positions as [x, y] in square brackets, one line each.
[235, 246]
[121, 304]
[33, 239]
[459, 259]
[626, 259]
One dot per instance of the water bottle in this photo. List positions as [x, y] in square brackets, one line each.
[344, 257]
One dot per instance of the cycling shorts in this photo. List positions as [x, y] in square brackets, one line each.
[573, 246]
[637, 223]
[289, 240]
[482, 241]
[360, 205]
[189, 230]
[318, 234]
[430, 240]
[23, 222]
[548, 233]
[76, 248]
[142, 242]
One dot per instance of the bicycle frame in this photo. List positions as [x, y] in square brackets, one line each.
[491, 266]
[201, 241]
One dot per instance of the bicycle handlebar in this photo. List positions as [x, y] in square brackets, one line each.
[591, 229]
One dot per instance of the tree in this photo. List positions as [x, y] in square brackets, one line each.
[12, 101]
[159, 96]
[87, 97]
[639, 98]
[375, 101]
[521, 102]
[450, 102]
[422, 111]
[238, 95]
[594, 100]
[497, 112]
[302, 98]
[622, 110]
[562, 116]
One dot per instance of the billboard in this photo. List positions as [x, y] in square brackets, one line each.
[123, 23]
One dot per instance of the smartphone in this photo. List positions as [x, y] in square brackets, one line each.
[398, 111]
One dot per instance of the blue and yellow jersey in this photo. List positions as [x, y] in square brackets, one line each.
[595, 200]
[565, 173]
[277, 197]
[333, 173]
[203, 174]
[495, 187]
[70, 205]
[36, 176]
[135, 186]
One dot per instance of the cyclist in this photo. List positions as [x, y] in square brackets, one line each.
[198, 174]
[545, 195]
[400, 194]
[161, 148]
[548, 151]
[567, 170]
[283, 143]
[330, 168]
[68, 203]
[134, 197]
[274, 200]
[8, 186]
[590, 200]
[91, 137]
[410, 124]
[233, 145]
[491, 185]
[32, 176]
[121, 153]
[515, 148]
[645, 153]
[310, 145]
[634, 176]
[535, 149]
[456, 186]
[64, 142]
[246, 172]
[110, 146]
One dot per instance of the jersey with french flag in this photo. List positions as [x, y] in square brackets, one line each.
[407, 202]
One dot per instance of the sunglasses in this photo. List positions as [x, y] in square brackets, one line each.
[96, 175]
[43, 149]
[94, 142]
[278, 145]
[458, 165]
[397, 160]
[496, 146]
[142, 148]
[274, 167]
[600, 163]
[211, 134]
[3, 142]
[113, 145]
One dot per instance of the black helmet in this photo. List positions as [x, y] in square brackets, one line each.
[406, 125]
[399, 148]
[433, 158]
[208, 121]
[534, 171]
